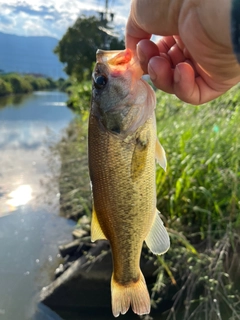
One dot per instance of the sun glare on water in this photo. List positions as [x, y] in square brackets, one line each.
[20, 196]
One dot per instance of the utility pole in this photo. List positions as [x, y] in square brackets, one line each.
[104, 14]
[106, 10]
[105, 18]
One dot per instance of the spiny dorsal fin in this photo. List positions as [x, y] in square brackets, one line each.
[161, 155]
[96, 230]
[158, 239]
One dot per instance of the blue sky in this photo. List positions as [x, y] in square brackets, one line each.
[53, 17]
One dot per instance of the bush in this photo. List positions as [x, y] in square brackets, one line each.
[52, 84]
[80, 96]
[37, 83]
[15, 83]
[63, 84]
[19, 84]
[5, 88]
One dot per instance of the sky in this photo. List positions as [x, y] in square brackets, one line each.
[53, 17]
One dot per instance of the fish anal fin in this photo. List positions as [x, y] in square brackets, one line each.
[96, 230]
[134, 294]
[161, 155]
[158, 239]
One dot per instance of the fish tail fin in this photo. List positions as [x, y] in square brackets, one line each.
[134, 294]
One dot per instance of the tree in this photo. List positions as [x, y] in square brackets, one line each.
[77, 49]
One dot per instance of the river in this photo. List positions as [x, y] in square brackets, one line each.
[30, 229]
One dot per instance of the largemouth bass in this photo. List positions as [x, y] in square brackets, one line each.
[123, 146]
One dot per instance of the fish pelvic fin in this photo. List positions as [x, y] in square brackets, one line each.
[134, 294]
[160, 155]
[96, 230]
[158, 239]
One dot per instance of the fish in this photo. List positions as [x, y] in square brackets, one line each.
[122, 150]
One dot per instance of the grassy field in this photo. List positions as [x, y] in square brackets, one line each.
[198, 196]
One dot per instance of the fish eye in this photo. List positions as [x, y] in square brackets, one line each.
[100, 82]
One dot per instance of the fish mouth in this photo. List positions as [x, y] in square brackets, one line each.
[119, 61]
[114, 57]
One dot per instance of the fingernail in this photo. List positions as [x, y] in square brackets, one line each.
[151, 71]
[141, 55]
[177, 75]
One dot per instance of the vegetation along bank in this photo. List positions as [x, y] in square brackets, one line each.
[14, 83]
[198, 195]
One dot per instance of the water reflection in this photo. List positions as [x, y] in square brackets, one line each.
[29, 235]
[29, 242]
[22, 195]
[14, 100]
[24, 135]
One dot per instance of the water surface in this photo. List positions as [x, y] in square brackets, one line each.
[30, 230]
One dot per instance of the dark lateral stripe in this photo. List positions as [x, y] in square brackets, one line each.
[235, 27]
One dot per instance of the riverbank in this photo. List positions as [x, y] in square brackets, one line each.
[199, 199]
[14, 83]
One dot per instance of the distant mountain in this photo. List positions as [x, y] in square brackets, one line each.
[30, 55]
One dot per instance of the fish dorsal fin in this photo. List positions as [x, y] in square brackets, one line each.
[96, 230]
[161, 155]
[158, 239]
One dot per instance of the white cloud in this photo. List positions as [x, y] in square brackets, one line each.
[38, 17]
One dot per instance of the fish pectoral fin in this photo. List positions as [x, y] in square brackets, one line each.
[96, 230]
[161, 155]
[158, 239]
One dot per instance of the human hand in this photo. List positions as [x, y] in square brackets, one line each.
[194, 59]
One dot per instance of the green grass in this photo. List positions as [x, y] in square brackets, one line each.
[199, 196]
[202, 144]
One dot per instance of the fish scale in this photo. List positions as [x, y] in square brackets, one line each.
[118, 200]
[122, 172]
